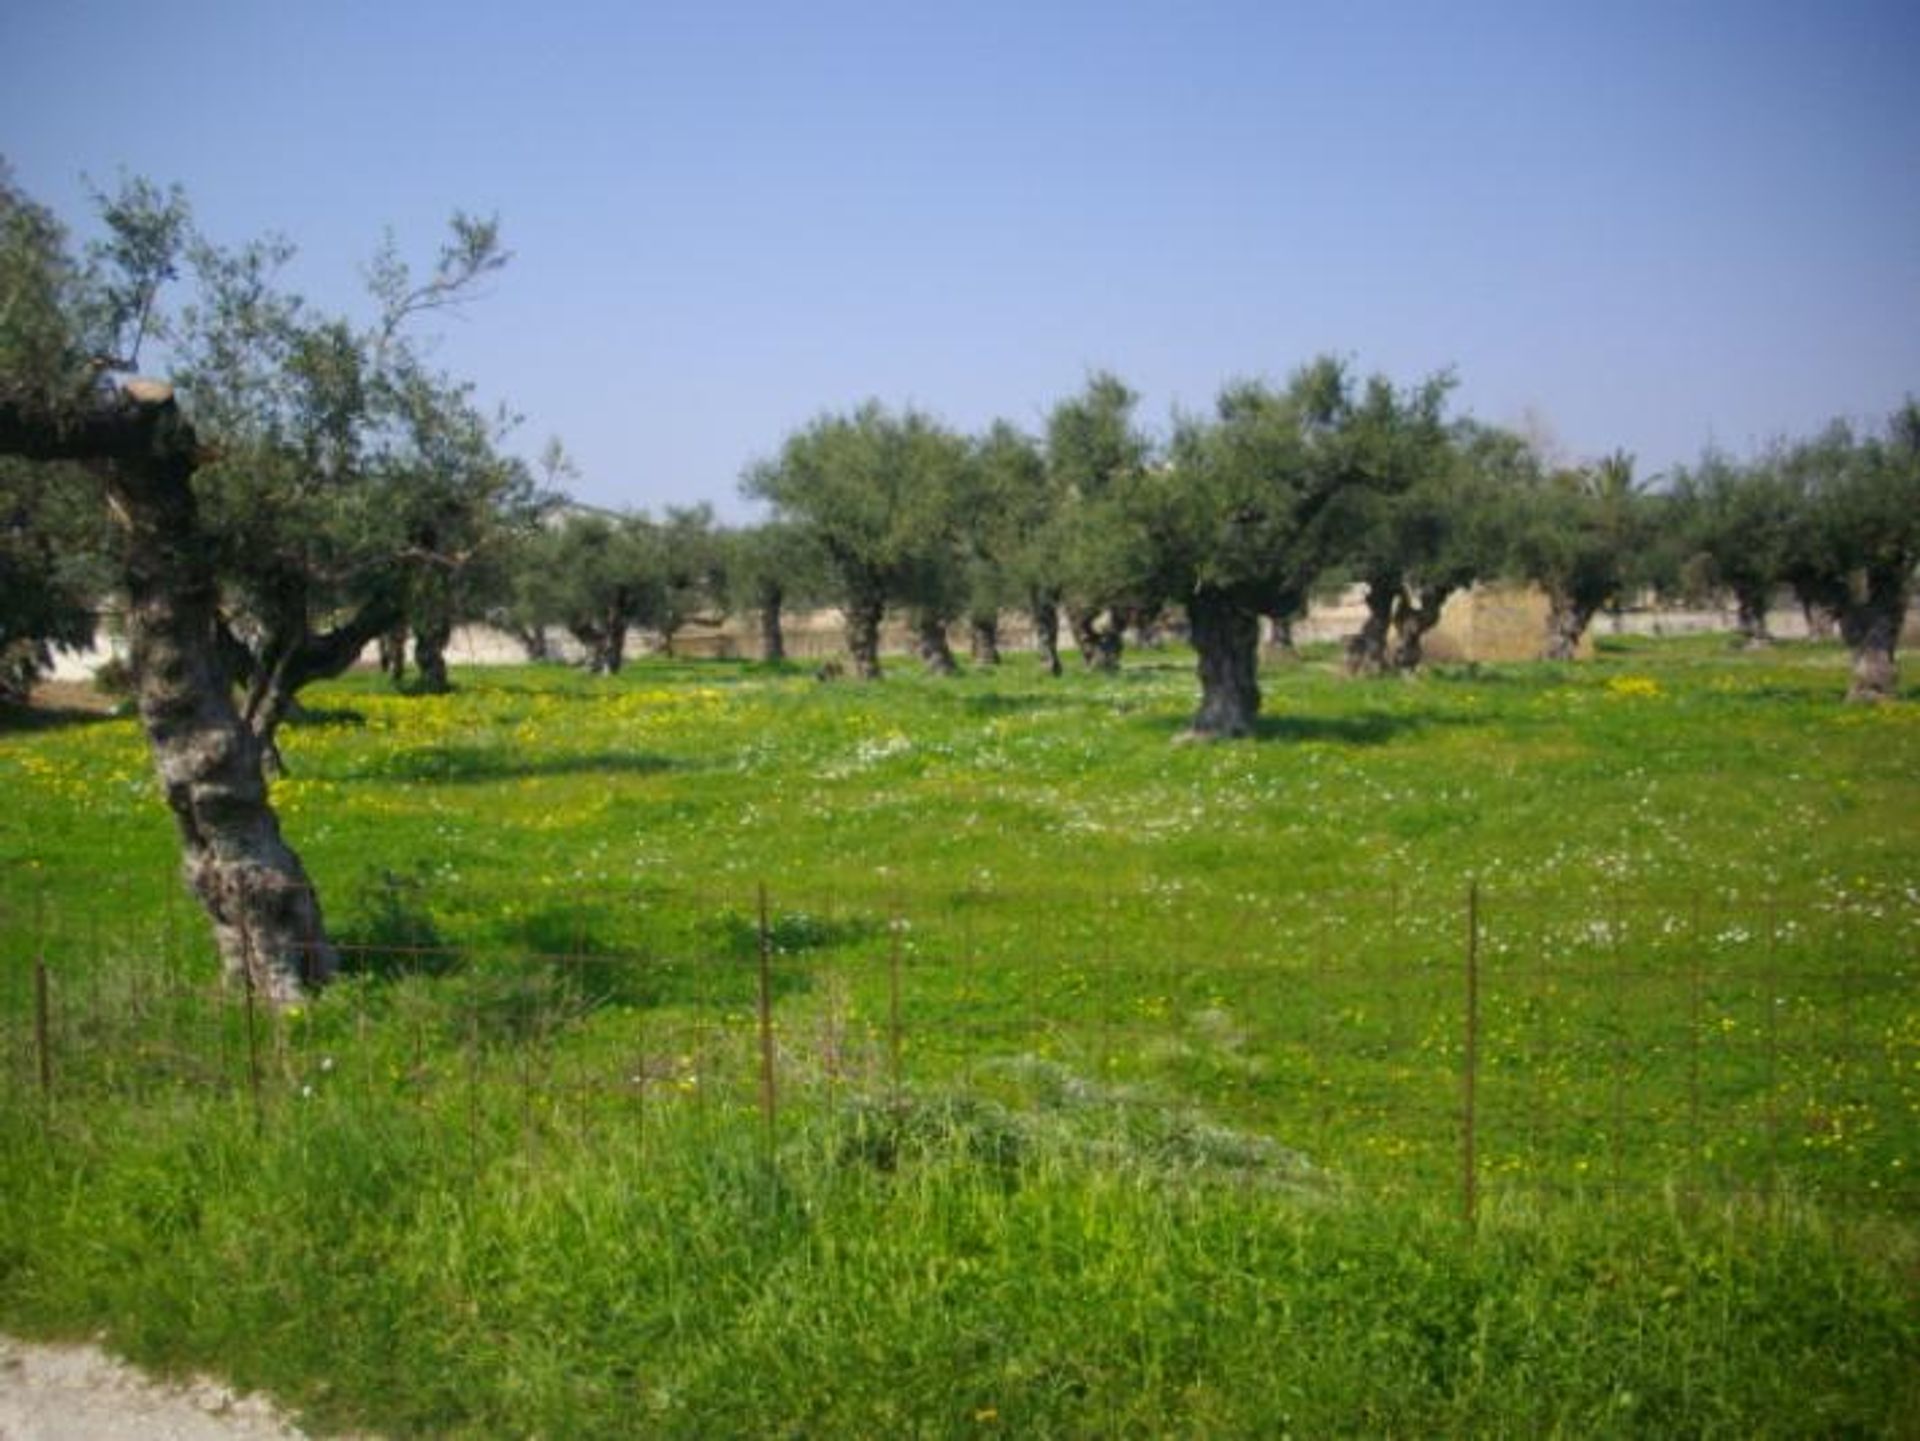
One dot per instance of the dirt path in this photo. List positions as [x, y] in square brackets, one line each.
[79, 1393]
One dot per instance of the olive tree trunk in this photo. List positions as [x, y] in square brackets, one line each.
[266, 918]
[533, 640]
[1046, 633]
[430, 641]
[1226, 637]
[1414, 619]
[1367, 647]
[1567, 622]
[1750, 620]
[393, 654]
[863, 636]
[1870, 625]
[773, 636]
[1099, 636]
[983, 636]
[935, 653]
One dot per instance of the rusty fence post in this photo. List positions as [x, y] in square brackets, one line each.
[43, 1030]
[1470, 1065]
[893, 1003]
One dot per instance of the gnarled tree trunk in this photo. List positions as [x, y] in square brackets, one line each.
[1099, 635]
[1367, 647]
[1567, 622]
[266, 918]
[1820, 620]
[773, 636]
[863, 636]
[393, 654]
[430, 640]
[1413, 620]
[1086, 634]
[533, 640]
[935, 653]
[1226, 637]
[983, 637]
[1750, 620]
[1046, 633]
[1870, 625]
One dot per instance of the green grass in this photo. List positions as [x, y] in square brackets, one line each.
[1119, 1084]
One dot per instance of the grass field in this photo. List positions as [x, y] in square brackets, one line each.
[1117, 1086]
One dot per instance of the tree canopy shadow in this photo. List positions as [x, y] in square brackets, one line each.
[34, 719]
[995, 703]
[1373, 728]
[458, 764]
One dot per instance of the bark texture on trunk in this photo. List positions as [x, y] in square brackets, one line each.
[773, 636]
[1367, 647]
[1750, 621]
[935, 653]
[1567, 621]
[1226, 637]
[393, 654]
[863, 637]
[983, 640]
[1821, 624]
[533, 640]
[430, 641]
[1099, 636]
[1414, 619]
[266, 918]
[1046, 634]
[1870, 625]
[1086, 636]
[605, 642]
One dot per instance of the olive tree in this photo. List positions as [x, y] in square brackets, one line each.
[1737, 522]
[285, 405]
[1578, 534]
[875, 491]
[1405, 534]
[770, 567]
[1094, 454]
[1856, 537]
[1236, 526]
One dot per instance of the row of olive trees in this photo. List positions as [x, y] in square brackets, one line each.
[1243, 513]
[1240, 516]
[1834, 519]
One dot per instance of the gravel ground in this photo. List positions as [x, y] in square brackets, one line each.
[79, 1393]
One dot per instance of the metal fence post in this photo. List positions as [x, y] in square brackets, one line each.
[43, 1030]
[767, 1100]
[1470, 1064]
[893, 1004]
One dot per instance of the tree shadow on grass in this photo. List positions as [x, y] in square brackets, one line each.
[542, 968]
[324, 718]
[1374, 728]
[999, 703]
[458, 764]
[31, 720]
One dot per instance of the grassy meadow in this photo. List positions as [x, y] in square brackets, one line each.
[1104, 1085]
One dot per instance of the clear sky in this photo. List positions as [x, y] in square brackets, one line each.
[1648, 225]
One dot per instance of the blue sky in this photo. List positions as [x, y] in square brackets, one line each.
[1648, 226]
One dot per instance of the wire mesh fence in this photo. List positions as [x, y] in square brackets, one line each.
[1485, 1042]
